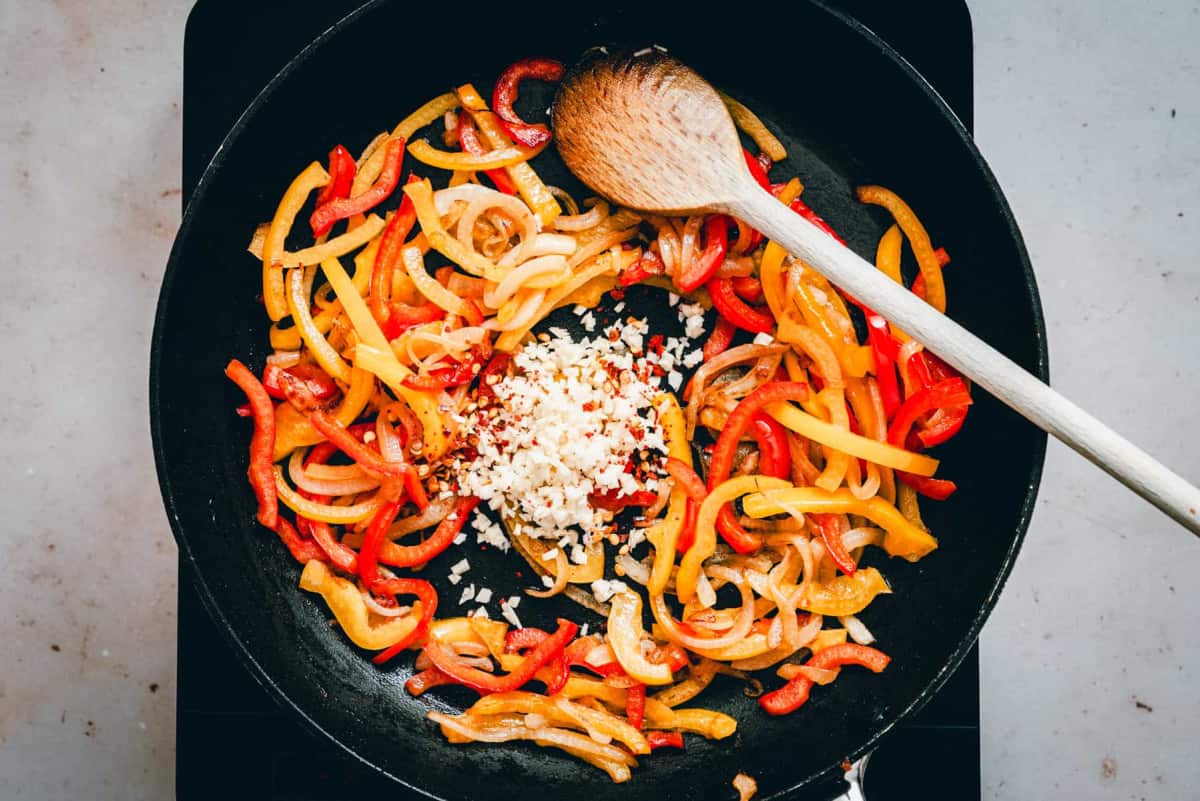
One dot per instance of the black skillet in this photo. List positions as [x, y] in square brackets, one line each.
[851, 112]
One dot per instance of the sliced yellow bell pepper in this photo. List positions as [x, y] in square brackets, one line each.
[770, 269]
[918, 240]
[374, 354]
[752, 126]
[535, 193]
[313, 177]
[846, 441]
[299, 290]
[665, 536]
[426, 153]
[625, 634]
[844, 595]
[705, 543]
[562, 712]
[713, 725]
[603, 264]
[827, 638]
[365, 629]
[901, 538]
[336, 247]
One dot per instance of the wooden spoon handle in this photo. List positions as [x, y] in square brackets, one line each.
[977, 360]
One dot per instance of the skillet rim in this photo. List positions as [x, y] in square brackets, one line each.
[1040, 368]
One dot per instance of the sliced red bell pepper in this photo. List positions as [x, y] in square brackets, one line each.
[341, 176]
[773, 457]
[946, 394]
[664, 739]
[302, 550]
[696, 491]
[262, 442]
[472, 313]
[757, 170]
[649, 264]
[401, 317]
[614, 502]
[427, 679]
[721, 465]
[635, 705]
[883, 348]
[468, 140]
[720, 339]
[792, 695]
[716, 244]
[505, 94]
[429, 602]
[748, 288]
[319, 383]
[496, 366]
[485, 683]
[736, 311]
[671, 655]
[368, 552]
[801, 208]
[525, 638]
[387, 259]
[460, 373]
[832, 538]
[939, 489]
[327, 214]
[440, 540]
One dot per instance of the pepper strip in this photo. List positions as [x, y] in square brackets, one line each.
[341, 170]
[429, 600]
[312, 177]
[350, 610]
[881, 453]
[426, 153]
[794, 694]
[719, 340]
[752, 126]
[736, 310]
[409, 555]
[770, 270]
[373, 354]
[664, 739]
[468, 140]
[918, 240]
[665, 539]
[505, 94]
[529, 185]
[706, 533]
[325, 216]
[440, 239]
[261, 443]
[901, 537]
[716, 245]
[486, 683]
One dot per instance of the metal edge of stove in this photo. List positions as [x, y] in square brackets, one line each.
[893, 26]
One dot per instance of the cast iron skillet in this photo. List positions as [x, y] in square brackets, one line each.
[851, 111]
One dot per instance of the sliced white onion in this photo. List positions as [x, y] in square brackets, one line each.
[380, 609]
[860, 537]
[524, 316]
[582, 222]
[741, 628]
[349, 486]
[284, 358]
[513, 207]
[544, 245]
[857, 630]
[492, 734]
[705, 593]
[536, 267]
[633, 568]
[433, 514]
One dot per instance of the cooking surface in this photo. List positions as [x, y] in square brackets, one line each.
[1088, 661]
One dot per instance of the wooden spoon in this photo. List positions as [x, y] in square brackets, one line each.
[649, 133]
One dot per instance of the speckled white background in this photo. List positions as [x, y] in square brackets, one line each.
[1088, 112]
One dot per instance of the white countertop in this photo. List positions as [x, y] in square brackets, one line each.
[1089, 114]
